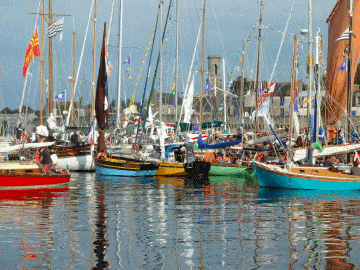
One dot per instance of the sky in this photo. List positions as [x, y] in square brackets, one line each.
[227, 23]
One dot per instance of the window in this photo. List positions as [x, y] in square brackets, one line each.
[358, 102]
[215, 69]
[282, 111]
[353, 113]
[282, 99]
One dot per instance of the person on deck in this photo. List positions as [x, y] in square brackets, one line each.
[19, 133]
[45, 160]
[74, 139]
[189, 151]
[238, 135]
[327, 162]
[355, 170]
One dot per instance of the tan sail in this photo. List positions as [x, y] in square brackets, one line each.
[336, 81]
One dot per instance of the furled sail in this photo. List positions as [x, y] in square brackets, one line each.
[203, 145]
[338, 39]
[101, 101]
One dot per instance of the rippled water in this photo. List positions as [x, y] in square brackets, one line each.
[123, 223]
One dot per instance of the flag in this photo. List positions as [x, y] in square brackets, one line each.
[296, 107]
[61, 96]
[306, 101]
[173, 86]
[91, 127]
[129, 77]
[129, 68]
[259, 88]
[343, 66]
[55, 27]
[174, 102]
[127, 61]
[268, 90]
[196, 127]
[282, 103]
[208, 86]
[33, 50]
[109, 68]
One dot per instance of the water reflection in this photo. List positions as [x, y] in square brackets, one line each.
[179, 223]
[324, 218]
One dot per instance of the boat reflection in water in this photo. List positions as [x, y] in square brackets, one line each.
[324, 218]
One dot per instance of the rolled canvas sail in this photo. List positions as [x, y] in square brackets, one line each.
[338, 39]
[101, 101]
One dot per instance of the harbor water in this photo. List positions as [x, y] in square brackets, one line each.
[159, 223]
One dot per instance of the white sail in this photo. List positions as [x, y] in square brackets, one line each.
[188, 102]
[17, 147]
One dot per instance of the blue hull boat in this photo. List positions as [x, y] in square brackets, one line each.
[125, 167]
[302, 177]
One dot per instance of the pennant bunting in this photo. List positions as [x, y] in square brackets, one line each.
[127, 61]
[61, 96]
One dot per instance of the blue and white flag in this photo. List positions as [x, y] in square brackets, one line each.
[208, 86]
[296, 107]
[343, 66]
[55, 28]
[127, 61]
[91, 127]
[174, 102]
[61, 96]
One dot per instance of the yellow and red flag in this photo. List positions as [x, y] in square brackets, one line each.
[33, 50]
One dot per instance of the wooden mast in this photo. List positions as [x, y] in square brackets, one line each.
[50, 99]
[349, 70]
[293, 85]
[258, 71]
[202, 66]
[242, 83]
[42, 62]
[92, 113]
[73, 81]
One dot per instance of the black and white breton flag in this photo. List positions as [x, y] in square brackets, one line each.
[55, 27]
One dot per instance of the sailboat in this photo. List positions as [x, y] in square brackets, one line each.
[106, 164]
[316, 177]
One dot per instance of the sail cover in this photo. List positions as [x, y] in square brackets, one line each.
[101, 101]
[338, 39]
[203, 145]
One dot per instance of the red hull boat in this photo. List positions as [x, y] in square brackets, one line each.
[32, 180]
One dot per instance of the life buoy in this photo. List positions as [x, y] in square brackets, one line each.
[101, 155]
[209, 157]
[136, 148]
[259, 157]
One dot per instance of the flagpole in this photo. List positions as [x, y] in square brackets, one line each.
[120, 65]
[161, 65]
[177, 60]
[73, 83]
[92, 113]
[258, 72]
[42, 62]
[202, 66]
[50, 98]
[349, 78]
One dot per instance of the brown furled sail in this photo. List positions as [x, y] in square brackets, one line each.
[101, 100]
[338, 40]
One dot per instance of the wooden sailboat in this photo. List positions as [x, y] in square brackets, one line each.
[315, 177]
[106, 164]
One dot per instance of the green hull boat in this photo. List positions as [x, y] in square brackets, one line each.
[230, 169]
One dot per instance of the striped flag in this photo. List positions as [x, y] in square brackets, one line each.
[55, 27]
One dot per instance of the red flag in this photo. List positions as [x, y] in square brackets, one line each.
[33, 50]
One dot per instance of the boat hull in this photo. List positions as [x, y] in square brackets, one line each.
[171, 169]
[32, 180]
[198, 167]
[269, 176]
[224, 170]
[75, 163]
[107, 167]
